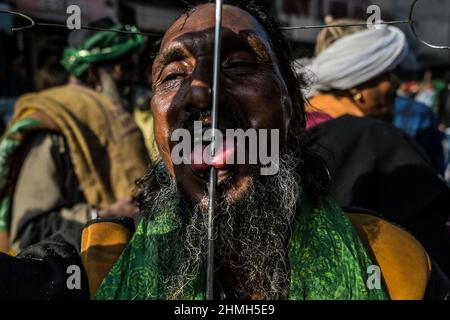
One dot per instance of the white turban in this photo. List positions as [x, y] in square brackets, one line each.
[357, 58]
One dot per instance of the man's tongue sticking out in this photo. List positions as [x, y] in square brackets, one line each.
[202, 161]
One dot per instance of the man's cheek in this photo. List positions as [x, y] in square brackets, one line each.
[160, 128]
[266, 114]
[161, 138]
[265, 88]
[161, 102]
[165, 152]
[276, 101]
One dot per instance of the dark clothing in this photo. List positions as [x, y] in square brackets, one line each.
[376, 166]
[419, 122]
[41, 272]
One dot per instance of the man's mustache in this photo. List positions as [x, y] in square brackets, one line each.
[227, 120]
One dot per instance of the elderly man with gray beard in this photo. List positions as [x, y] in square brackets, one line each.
[277, 236]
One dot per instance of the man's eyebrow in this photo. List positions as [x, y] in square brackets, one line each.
[230, 42]
[174, 53]
[249, 41]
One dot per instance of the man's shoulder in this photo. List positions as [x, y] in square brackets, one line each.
[404, 263]
[353, 123]
[60, 97]
[363, 131]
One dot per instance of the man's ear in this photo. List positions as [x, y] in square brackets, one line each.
[356, 95]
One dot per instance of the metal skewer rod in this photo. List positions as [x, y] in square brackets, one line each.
[213, 175]
[411, 22]
[323, 26]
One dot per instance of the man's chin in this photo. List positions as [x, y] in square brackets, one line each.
[235, 189]
[229, 194]
[233, 185]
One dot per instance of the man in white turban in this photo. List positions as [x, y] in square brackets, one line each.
[373, 165]
[352, 70]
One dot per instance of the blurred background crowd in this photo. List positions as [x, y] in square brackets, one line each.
[29, 61]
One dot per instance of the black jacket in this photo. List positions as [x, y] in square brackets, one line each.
[376, 166]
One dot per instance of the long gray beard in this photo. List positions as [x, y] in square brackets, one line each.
[251, 235]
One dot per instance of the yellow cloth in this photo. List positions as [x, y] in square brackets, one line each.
[107, 148]
[405, 266]
[101, 245]
[333, 106]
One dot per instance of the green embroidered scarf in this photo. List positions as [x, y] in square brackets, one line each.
[328, 260]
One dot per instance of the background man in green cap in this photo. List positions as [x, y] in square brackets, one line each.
[73, 152]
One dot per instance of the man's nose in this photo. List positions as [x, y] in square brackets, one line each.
[200, 87]
[200, 95]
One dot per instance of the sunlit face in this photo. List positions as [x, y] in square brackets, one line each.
[378, 96]
[253, 93]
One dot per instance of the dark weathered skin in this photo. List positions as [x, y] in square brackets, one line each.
[253, 93]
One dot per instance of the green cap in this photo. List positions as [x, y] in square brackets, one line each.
[102, 46]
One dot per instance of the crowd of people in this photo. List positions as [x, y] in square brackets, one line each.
[87, 180]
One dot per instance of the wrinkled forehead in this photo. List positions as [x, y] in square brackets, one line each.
[201, 22]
